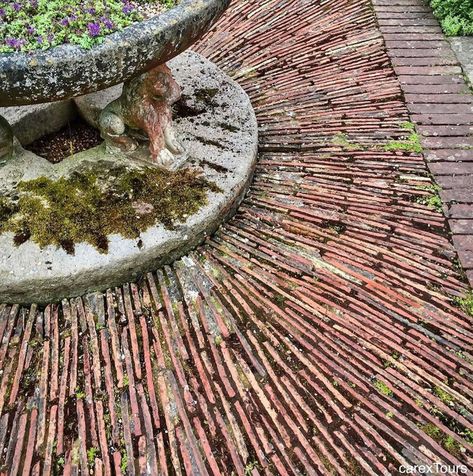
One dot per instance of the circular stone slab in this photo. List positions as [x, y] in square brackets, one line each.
[216, 125]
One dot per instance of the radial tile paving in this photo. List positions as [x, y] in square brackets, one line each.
[316, 333]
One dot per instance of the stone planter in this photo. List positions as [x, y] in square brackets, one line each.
[69, 71]
[187, 116]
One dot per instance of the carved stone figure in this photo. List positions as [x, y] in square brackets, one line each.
[6, 141]
[144, 106]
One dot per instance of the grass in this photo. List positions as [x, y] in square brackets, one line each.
[443, 395]
[124, 462]
[447, 441]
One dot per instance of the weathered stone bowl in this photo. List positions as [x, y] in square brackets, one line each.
[69, 71]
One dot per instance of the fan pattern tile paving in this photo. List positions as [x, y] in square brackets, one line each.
[316, 333]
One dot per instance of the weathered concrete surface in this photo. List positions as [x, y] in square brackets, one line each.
[463, 48]
[68, 70]
[32, 122]
[220, 136]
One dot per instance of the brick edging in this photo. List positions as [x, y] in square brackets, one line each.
[441, 106]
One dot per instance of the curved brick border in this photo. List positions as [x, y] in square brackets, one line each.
[440, 103]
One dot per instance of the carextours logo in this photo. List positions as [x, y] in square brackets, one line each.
[434, 468]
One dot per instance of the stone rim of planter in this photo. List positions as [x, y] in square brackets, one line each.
[68, 71]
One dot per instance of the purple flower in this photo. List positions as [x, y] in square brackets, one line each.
[107, 23]
[14, 43]
[94, 29]
[127, 8]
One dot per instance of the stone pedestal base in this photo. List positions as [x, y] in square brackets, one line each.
[215, 124]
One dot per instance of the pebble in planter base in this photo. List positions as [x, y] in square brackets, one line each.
[216, 125]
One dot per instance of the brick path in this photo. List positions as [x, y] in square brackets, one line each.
[316, 333]
[440, 103]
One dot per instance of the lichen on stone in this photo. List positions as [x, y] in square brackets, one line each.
[96, 202]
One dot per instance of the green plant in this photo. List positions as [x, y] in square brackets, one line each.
[443, 395]
[250, 467]
[80, 395]
[465, 303]
[433, 200]
[383, 388]
[455, 16]
[410, 144]
[447, 441]
[91, 453]
[124, 463]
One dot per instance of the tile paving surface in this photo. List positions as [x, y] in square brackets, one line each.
[318, 331]
[440, 103]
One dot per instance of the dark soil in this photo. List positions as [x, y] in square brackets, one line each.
[75, 137]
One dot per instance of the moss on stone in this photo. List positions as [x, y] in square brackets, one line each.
[342, 141]
[92, 204]
[433, 200]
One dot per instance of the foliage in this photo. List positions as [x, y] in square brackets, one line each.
[91, 454]
[447, 441]
[443, 395]
[41, 24]
[455, 16]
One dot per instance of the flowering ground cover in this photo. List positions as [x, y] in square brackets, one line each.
[41, 24]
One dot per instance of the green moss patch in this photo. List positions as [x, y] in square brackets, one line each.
[90, 205]
[433, 199]
[382, 388]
